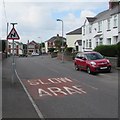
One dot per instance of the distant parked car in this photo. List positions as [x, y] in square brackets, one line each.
[35, 54]
[92, 62]
[23, 55]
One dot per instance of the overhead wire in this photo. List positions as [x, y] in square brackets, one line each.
[5, 11]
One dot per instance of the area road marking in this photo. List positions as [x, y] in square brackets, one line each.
[30, 98]
[60, 86]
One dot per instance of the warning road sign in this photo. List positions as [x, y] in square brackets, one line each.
[13, 35]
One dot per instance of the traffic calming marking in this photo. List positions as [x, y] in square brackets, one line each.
[49, 87]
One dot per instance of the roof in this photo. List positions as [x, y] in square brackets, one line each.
[91, 19]
[33, 43]
[52, 39]
[79, 42]
[77, 31]
[107, 13]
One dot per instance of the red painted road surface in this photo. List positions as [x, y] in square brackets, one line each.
[49, 87]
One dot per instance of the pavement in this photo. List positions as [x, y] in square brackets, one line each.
[15, 102]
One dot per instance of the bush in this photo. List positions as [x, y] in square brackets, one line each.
[51, 50]
[53, 54]
[107, 50]
[68, 50]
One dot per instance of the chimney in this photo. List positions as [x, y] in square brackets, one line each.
[113, 3]
[57, 35]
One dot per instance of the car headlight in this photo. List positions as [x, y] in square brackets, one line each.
[108, 61]
[93, 63]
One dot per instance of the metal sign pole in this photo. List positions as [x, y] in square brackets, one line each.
[13, 36]
[13, 63]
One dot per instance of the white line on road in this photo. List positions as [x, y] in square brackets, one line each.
[106, 75]
[90, 86]
[30, 98]
[95, 88]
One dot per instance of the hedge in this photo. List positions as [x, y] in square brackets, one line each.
[107, 50]
[118, 52]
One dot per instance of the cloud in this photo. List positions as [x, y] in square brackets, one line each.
[73, 22]
[57, 1]
[39, 18]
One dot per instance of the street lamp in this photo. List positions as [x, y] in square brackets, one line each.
[62, 40]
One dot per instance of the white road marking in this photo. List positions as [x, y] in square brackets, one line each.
[30, 98]
[95, 88]
[105, 75]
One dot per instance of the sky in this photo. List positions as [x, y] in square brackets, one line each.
[36, 19]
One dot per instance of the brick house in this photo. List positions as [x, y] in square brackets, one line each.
[32, 47]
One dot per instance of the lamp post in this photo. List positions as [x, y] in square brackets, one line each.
[40, 46]
[62, 40]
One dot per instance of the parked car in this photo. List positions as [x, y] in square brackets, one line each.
[92, 62]
[23, 55]
[35, 54]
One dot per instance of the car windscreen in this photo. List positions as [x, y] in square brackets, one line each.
[94, 56]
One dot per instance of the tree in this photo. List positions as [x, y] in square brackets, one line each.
[58, 43]
[3, 45]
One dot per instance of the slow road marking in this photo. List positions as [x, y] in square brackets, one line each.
[49, 87]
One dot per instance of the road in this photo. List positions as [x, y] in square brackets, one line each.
[58, 91]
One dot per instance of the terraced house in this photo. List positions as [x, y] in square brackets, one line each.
[102, 29]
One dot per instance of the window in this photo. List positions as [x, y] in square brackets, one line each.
[90, 28]
[109, 41]
[86, 43]
[83, 30]
[90, 43]
[101, 41]
[31, 46]
[80, 42]
[100, 26]
[31, 51]
[108, 24]
[96, 42]
[115, 21]
[83, 44]
[115, 39]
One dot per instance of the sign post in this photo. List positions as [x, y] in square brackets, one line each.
[13, 35]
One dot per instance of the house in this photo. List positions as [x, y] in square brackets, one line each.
[102, 29]
[18, 48]
[3, 49]
[74, 39]
[32, 47]
[51, 42]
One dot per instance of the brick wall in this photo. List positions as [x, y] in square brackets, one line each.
[113, 61]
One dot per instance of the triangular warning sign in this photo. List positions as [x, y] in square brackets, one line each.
[13, 35]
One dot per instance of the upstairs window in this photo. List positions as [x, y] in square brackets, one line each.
[115, 21]
[90, 43]
[90, 28]
[83, 30]
[86, 43]
[100, 26]
[108, 24]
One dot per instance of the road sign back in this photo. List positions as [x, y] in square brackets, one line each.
[13, 35]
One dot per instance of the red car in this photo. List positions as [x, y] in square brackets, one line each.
[92, 62]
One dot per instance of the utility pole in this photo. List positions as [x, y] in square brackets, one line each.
[7, 41]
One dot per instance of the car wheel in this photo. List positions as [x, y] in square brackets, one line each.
[88, 70]
[109, 70]
[76, 67]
